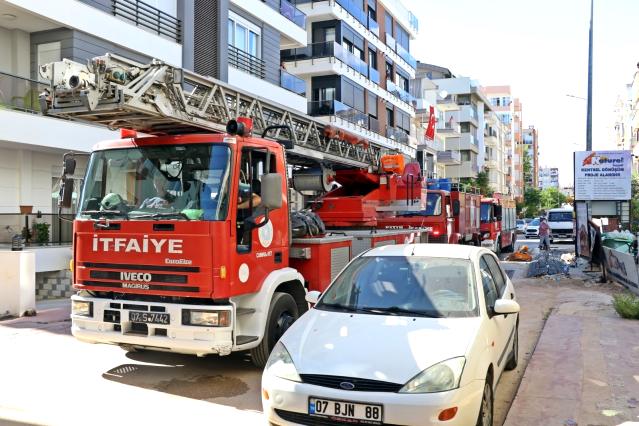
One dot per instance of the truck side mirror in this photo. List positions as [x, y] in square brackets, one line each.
[456, 208]
[65, 198]
[69, 166]
[272, 191]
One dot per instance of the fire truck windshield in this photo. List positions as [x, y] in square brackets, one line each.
[433, 207]
[486, 211]
[188, 182]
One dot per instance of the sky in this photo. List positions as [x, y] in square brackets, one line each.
[540, 49]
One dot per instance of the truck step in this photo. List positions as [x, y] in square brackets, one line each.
[243, 340]
[244, 311]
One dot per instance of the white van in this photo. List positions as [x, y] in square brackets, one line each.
[561, 222]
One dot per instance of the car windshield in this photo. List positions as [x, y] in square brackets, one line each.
[398, 285]
[433, 206]
[146, 183]
[520, 222]
[560, 217]
[534, 222]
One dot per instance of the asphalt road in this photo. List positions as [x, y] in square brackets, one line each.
[50, 378]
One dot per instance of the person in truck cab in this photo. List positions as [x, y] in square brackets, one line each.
[245, 195]
[163, 199]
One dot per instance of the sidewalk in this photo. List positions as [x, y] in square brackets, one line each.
[585, 368]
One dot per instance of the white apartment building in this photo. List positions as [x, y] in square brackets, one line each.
[496, 152]
[548, 177]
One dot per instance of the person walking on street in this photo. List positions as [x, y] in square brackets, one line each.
[544, 235]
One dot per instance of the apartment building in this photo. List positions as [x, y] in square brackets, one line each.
[238, 41]
[530, 147]
[357, 65]
[548, 177]
[509, 110]
[496, 153]
[626, 126]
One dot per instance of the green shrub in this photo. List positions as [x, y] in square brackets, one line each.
[626, 305]
[42, 232]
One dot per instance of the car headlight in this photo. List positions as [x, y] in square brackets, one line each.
[82, 308]
[206, 318]
[280, 364]
[440, 377]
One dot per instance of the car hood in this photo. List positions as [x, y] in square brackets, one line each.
[377, 347]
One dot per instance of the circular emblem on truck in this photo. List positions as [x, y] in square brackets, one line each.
[243, 273]
[265, 234]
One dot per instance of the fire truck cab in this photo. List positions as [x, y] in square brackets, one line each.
[498, 223]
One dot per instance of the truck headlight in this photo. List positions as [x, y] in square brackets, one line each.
[280, 364]
[440, 377]
[485, 235]
[206, 318]
[82, 308]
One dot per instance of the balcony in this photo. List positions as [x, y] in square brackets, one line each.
[19, 93]
[390, 41]
[373, 26]
[246, 62]
[373, 75]
[449, 157]
[403, 53]
[397, 134]
[449, 103]
[148, 17]
[449, 128]
[399, 92]
[292, 83]
[354, 9]
[339, 110]
[288, 10]
[326, 50]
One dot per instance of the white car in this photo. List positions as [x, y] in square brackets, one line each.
[532, 230]
[406, 335]
[521, 226]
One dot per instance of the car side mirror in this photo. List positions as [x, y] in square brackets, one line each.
[272, 191]
[313, 296]
[505, 307]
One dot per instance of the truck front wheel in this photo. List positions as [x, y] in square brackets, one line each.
[281, 314]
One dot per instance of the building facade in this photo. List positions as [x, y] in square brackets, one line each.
[626, 126]
[496, 152]
[548, 177]
[530, 147]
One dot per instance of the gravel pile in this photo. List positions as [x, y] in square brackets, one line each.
[548, 264]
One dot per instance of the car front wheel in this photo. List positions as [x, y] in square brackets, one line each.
[485, 417]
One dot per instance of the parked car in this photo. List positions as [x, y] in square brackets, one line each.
[399, 337]
[532, 229]
[521, 226]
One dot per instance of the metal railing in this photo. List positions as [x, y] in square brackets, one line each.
[292, 83]
[339, 110]
[390, 41]
[373, 124]
[146, 16]
[373, 26]
[326, 49]
[20, 93]
[399, 92]
[37, 229]
[405, 55]
[246, 62]
[353, 7]
[288, 10]
[449, 157]
[397, 134]
[373, 75]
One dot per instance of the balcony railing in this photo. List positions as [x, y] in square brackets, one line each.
[149, 17]
[354, 8]
[403, 53]
[20, 93]
[338, 109]
[449, 157]
[373, 26]
[292, 83]
[397, 134]
[390, 41]
[399, 92]
[373, 124]
[373, 75]
[246, 62]
[295, 15]
[58, 231]
[326, 50]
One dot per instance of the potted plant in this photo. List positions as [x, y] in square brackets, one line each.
[41, 232]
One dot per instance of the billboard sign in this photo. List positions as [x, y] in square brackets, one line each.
[602, 175]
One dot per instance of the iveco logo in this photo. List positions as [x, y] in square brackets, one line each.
[347, 386]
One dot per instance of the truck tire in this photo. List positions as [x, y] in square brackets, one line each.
[281, 314]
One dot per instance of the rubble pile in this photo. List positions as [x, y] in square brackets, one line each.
[551, 263]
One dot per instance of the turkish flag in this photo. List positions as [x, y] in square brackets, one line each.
[430, 130]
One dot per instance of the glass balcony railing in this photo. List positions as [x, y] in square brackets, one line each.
[326, 50]
[399, 92]
[390, 41]
[373, 26]
[295, 15]
[403, 53]
[373, 124]
[373, 75]
[292, 83]
[354, 8]
[397, 134]
[338, 109]
[20, 93]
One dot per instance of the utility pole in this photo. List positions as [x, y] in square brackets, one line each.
[589, 112]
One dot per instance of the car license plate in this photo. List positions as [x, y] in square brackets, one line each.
[345, 411]
[150, 317]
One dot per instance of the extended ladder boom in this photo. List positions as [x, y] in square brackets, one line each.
[160, 99]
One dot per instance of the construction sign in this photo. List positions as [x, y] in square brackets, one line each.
[602, 175]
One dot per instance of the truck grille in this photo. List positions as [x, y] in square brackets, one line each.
[441, 239]
[361, 385]
[112, 276]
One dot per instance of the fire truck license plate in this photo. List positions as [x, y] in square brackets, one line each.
[348, 412]
[150, 317]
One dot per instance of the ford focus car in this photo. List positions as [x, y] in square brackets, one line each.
[405, 335]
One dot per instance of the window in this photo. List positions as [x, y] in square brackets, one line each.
[402, 82]
[465, 155]
[389, 71]
[372, 58]
[49, 52]
[488, 285]
[464, 127]
[390, 118]
[388, 21]
[372, 104]
[329, 34]
[244, 35]
[500, 282]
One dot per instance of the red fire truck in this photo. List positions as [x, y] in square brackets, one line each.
[498, 223]
[182, 238]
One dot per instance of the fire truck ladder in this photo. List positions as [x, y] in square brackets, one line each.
[160, 99]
